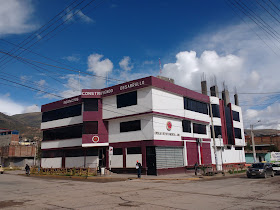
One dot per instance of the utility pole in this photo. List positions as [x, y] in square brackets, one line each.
[253, 142]
[213, 132]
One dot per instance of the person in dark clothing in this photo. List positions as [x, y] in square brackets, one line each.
[195, 168]
[138, 168]
[27, 169]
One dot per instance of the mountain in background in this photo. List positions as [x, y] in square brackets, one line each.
[27, 124]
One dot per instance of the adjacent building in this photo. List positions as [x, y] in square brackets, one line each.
[164, 126]
[12, 153]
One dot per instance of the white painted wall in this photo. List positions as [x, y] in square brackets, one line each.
[146, 132]
[159, 125]
[92, 161]
[62, 122]
[61, 143]
[197, 116]
[144, 104]
[71, 162]
[229, 155]
[132, 159]
[117, 161]
[51, 162]
[168, 103]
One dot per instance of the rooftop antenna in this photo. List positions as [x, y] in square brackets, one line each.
[160, 71]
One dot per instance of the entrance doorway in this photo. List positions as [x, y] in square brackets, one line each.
[102, 157]
[151, 160]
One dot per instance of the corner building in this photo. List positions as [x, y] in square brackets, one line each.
[164, 126]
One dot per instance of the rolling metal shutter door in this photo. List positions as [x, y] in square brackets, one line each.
[169, 157]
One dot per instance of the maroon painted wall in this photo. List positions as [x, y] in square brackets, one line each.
[192, 153]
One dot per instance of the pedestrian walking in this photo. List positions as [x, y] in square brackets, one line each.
[27, 169]
[138, 168]
[195, 168]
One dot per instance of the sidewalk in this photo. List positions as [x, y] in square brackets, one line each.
[123, 177]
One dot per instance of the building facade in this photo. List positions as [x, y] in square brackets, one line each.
[12, 153]
[162, 125]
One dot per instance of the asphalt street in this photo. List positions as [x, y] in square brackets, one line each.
[21, 192]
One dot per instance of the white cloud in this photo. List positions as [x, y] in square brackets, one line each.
[237, 56]
[101, 68]
[148, 62]
[76, 15]
[72, 58]
[85, 18]
[10, 107]
[15, 17]
[126, 64]
[32, 108]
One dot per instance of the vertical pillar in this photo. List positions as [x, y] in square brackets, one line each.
[124, 157]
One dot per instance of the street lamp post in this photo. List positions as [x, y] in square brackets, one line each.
[253, 141]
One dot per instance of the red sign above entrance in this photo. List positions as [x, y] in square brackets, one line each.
[95, 139]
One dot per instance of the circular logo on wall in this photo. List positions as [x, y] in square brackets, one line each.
[95, 139]
[168, 125]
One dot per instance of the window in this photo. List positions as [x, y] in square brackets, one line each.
[199, 128]
[134, 150]
[52, 153]
[235, 116]
[90, 104]
[130, 126]
[237, 133]
[74, 153]
[218, 131]
[92, 152]
[229, 126]
[90, 127]
[127, 99]
[66, 112]
[215, 110]
[117, 151]
[186, 126]
[238, 148]
[196, 106]
[63, 133]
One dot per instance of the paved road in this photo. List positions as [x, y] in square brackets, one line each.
[20, 192]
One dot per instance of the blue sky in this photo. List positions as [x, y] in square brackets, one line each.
[125, 39]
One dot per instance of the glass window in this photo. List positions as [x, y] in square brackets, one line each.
[237, 133]
[235, 116]
[130, 126]
[92, 152]
[127, 99]
[218, 131]
[229, 126]
[52, 153]
[66, 112]
[134, 150]
[196, 106]
[74, 153]
[90, 104]
[199, 128]
[186, 126]
[216, 110]
[90, 127]
[117, 151]
[63, 133]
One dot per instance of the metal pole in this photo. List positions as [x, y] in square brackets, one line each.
[34, 162]
[213, 132]
[253, 144]
[220, 138]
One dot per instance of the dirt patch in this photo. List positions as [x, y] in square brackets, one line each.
[5, 204]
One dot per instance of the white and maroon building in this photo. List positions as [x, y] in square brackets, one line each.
[164, 126]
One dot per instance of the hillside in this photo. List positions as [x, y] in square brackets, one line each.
[262, 132]
[27, 124]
